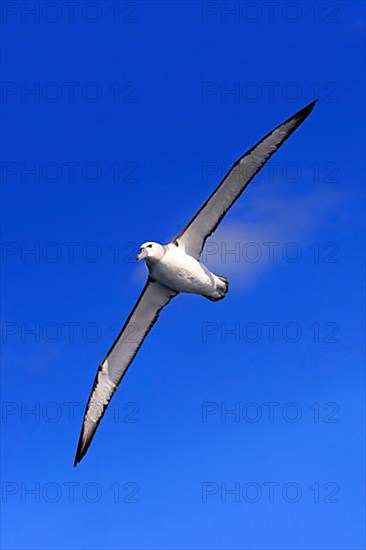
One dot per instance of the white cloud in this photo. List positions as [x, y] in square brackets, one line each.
[278, 229]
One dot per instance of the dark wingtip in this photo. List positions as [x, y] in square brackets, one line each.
[305, 111]
[78, 457]
[298, 118]
[81, 450]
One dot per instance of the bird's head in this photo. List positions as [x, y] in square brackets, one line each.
[150, 252]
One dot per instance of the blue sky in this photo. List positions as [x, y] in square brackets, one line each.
[137, 110]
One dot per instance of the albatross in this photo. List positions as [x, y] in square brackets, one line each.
[174, 268]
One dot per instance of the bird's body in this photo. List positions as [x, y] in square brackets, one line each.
[176, 268]
[181, 272]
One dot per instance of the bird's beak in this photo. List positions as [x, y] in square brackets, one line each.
[141, 255]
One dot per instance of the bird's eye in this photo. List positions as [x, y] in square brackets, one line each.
[149, 246]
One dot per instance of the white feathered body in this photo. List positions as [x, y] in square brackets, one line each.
[183, 273]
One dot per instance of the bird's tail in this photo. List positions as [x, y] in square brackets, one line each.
[222, 286]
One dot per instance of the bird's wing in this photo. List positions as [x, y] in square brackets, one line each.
[112, 369]
[204, 223]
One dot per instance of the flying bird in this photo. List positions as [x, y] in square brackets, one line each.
[175, 268]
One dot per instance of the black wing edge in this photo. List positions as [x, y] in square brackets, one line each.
[82, 449]
[302, 114]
